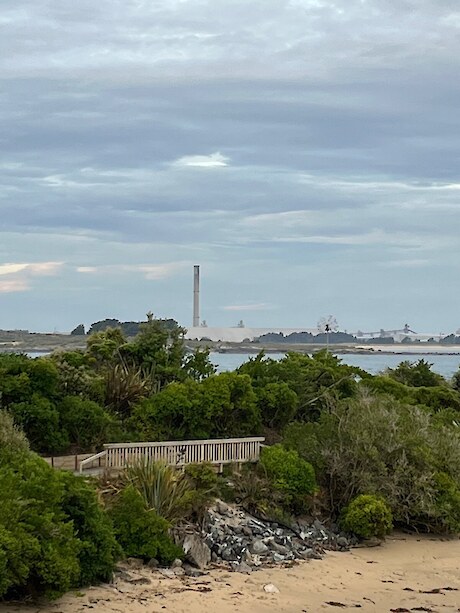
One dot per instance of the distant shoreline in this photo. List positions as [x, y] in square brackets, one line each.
[46, 343]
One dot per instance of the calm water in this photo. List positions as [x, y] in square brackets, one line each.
[445, 365]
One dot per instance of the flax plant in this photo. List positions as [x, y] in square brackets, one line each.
[165, 489]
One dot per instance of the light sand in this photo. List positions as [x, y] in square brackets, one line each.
[393, 577]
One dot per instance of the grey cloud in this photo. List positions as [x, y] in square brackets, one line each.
[343, 115]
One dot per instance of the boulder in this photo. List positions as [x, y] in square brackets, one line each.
[177, 562]
[222, 508]
[196, 551]
[190, 571]
[242, 567]
[258, 547]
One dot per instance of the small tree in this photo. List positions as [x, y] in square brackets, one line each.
[290, 475]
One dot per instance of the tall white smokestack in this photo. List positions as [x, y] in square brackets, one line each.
[196, 296]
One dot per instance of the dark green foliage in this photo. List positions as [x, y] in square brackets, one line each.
[384, 384]
[253, 489]
[447, 503]
[164, 489]
[141, 532]
[103, 348]
[86, 423]
[21, 377]
[220, 406]
[103, 325]
[158, 350]
[291, 475]
[456, 381]
[305, 438]
[53, 533]
[125, 385]
[316, 380]
[44, 377]
[198, 366]
[39, 418]
[205, 486]
[76, 378]
[129, 328]
[277, 404]
[367, 516]
[99, 549]
[418, 374]
[437, 398]
[375, 445]
[38, 549]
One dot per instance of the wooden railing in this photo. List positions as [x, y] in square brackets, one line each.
[179, 453]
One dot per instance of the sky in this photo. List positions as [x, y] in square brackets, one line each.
[305, 153]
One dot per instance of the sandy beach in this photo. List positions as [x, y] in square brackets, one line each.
[406, 574]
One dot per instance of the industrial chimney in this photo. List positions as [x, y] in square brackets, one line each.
[196, 296]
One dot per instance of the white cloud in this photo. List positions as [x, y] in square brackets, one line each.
[37, 268]
[13, 285]
[20, 274]
[45, 268]
[214, 160]
[10, 269]
[87, 269]
[153, 272]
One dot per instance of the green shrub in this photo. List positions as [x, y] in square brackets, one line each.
[376, 445]
[39, 418]
[164, 489]
[204, 484]
[447, 504]
[220, 406]
[99, 549]
[12, 439]
[290, 474]
[141, 532]
[277, 404]
[368, 516]
[54, 535]
[86, 424]
[253, 490]
[418, 374]
[38, 548]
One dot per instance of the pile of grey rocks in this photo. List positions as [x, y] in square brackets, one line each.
[234, 538]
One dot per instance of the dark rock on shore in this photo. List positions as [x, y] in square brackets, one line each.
[232, 537]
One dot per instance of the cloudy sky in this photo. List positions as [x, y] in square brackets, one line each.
[306, 153]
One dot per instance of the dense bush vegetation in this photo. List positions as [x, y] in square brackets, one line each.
[141, 532]
[53, 533]
[344, 437]
[290, 475]
[376, 445]
[367, 516]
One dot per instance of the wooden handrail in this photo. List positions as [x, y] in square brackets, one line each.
[180, 453]
[91, 459]
[194, 442]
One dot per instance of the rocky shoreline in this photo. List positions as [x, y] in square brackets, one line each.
[233, 539]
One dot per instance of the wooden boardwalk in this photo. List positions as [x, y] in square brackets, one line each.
[116, 456]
